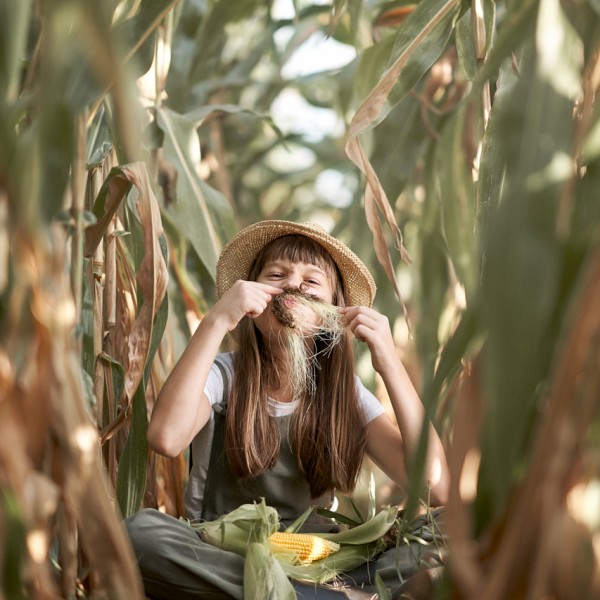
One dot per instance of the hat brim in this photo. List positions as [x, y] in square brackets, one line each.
[239, 254]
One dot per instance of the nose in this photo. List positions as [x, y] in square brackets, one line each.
[294, 281]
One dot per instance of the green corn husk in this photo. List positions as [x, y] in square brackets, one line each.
[328, 569]
[236, 530]
[366, 532]
[247, 529]
[264, 577]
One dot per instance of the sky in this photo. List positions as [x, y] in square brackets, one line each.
[318, 53]
[293, 114]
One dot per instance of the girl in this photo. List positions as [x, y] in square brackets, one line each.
[283, 417]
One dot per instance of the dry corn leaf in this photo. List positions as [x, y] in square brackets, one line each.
[152, 278]
[367, 116]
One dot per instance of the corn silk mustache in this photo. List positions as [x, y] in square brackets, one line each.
[312, 327]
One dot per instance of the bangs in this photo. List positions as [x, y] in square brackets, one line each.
[299, 248]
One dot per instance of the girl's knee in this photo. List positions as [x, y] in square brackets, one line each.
[144, 529]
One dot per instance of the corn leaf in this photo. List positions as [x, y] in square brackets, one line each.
[356, 510]
[366, 532]
[55, 135]
[419, 43]
[137, 31]
[110, 196]
[517, 25]
[339, 517]
[202, 213]
[117, 377]
[520, 288]
[297, 524]
[382, 592]
[560, 50]
[372, 62]
[133, 463]
[235, 530]
[264, 576]
[451, 356]
[454, 158]
[198, 43]
[492, 165]
[131, 474]
[397, 148]
[13, 529]
[347, 558]
[146, 332]
[14, 22]
[469, 61]
[372, 510]
[434, 282]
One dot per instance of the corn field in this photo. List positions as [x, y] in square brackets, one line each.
[457, 152]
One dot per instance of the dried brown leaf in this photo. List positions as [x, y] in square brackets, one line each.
[152, 278]
[366, 117]
[45, 427]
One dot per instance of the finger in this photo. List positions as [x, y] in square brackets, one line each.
[362, 320]
[257, 309]
[362, 333]
[350, 312]
[270, 289]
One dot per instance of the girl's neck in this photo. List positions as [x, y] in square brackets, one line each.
[279, 388]
[283, 395]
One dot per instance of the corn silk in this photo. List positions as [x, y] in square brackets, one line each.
[312, 327]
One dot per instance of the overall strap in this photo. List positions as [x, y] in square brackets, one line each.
[219, 407]
[218, 442]
[222, 406]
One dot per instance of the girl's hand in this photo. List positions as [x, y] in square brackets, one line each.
[391, 447]
[373, 328]
[244, 298]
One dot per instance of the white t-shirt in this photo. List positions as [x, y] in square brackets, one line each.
[194, 492]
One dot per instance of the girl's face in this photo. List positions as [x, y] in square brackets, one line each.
[287, 274]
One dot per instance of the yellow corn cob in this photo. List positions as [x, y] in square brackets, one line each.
[308, 548]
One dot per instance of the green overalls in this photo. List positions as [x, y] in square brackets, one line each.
[283, 487]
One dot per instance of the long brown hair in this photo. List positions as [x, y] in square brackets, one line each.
[328, 432]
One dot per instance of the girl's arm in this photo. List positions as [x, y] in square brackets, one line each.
[182, 408]
[393, 448]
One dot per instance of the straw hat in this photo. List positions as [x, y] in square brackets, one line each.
[239, 253]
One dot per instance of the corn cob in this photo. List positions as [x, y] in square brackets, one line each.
[308, 548]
